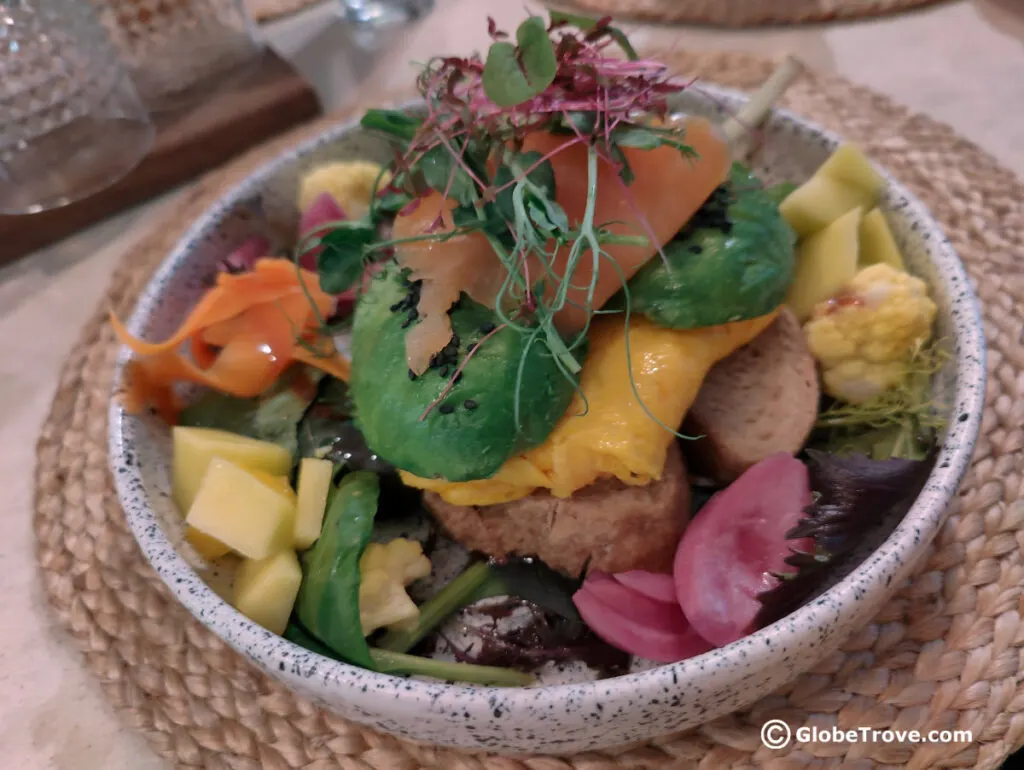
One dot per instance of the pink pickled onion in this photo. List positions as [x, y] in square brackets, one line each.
[243, 258]
[728, 552]
[323, 210]
[636, 623]
[655, 585]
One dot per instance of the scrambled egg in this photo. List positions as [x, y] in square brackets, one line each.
[612, 430]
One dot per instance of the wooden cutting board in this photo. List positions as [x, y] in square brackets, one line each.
[270, 99]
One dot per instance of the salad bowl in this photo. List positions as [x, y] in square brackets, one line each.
[554, 718]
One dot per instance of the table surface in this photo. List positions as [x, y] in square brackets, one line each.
[960, 62]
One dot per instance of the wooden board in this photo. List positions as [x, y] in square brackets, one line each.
[231, 119]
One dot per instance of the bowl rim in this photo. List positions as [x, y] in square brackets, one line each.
[920, 523]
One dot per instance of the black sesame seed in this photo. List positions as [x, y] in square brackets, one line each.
[487, 328]
[444, 371]
[446, 409]
[470, 404]
[457, 378]
[696, 249]
[406, 323]
[414, 314]
[397, 306]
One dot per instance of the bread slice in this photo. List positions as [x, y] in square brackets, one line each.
[606, 526]
[760, 400]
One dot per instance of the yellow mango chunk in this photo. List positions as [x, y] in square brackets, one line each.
[280, 483]
[314, 484]
[846, 180]
[826, 262]
[194, 448]
[209, 548]
[265, 589]
[249, 516]
[618, 436]
[877, 244]
[850, 166]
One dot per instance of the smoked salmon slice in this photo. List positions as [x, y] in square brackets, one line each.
[667, 190]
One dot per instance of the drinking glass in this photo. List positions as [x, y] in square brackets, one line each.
[175, 50]
[385, 12]
[71, 122]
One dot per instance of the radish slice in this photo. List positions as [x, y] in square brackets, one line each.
[738, 538]
[323, 210]
[667, 640]
[654, 585]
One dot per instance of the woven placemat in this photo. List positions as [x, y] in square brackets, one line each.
[746, 13]
[266, 10]
[945, 653]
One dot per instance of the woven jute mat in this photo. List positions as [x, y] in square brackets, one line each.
[266, 10]
[945, 653]
[747, 13]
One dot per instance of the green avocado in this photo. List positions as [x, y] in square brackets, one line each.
[472, 431]
[733, 261]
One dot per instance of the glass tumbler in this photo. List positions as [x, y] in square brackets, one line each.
[175, 49]
[382, 13]
[71, 122]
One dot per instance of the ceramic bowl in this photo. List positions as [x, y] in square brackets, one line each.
[568, 717]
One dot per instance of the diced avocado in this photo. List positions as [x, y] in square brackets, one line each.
[487, 416]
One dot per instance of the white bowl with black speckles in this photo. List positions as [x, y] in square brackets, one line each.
[573, 717]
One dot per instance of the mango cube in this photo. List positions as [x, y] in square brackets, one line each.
[314, 484]
[850, 166]
[877, 243]
[247, 515]
[209, 548]
[194, 448]
[845, 181]
[265, 589]
[826, 262]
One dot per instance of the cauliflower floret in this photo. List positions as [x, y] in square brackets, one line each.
[349, 182]
[384, 571]
[865, 336]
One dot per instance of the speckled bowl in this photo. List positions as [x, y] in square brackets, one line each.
[562, 718]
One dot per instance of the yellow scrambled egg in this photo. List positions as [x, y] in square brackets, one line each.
[608, 430]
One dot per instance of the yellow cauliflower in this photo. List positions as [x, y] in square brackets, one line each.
[384, 572]
[865, 336]
[349, 182]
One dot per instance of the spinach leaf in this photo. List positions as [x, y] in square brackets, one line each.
[514, 74]
[328, 601]
[443, 173]
[392, 122]
[273, 417]
[340, 263]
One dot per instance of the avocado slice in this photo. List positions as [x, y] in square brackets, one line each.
[472, 431]
[733, 261]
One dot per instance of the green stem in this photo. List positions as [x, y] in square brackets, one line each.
[453, 597]
[737, 128]
[388, 662]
